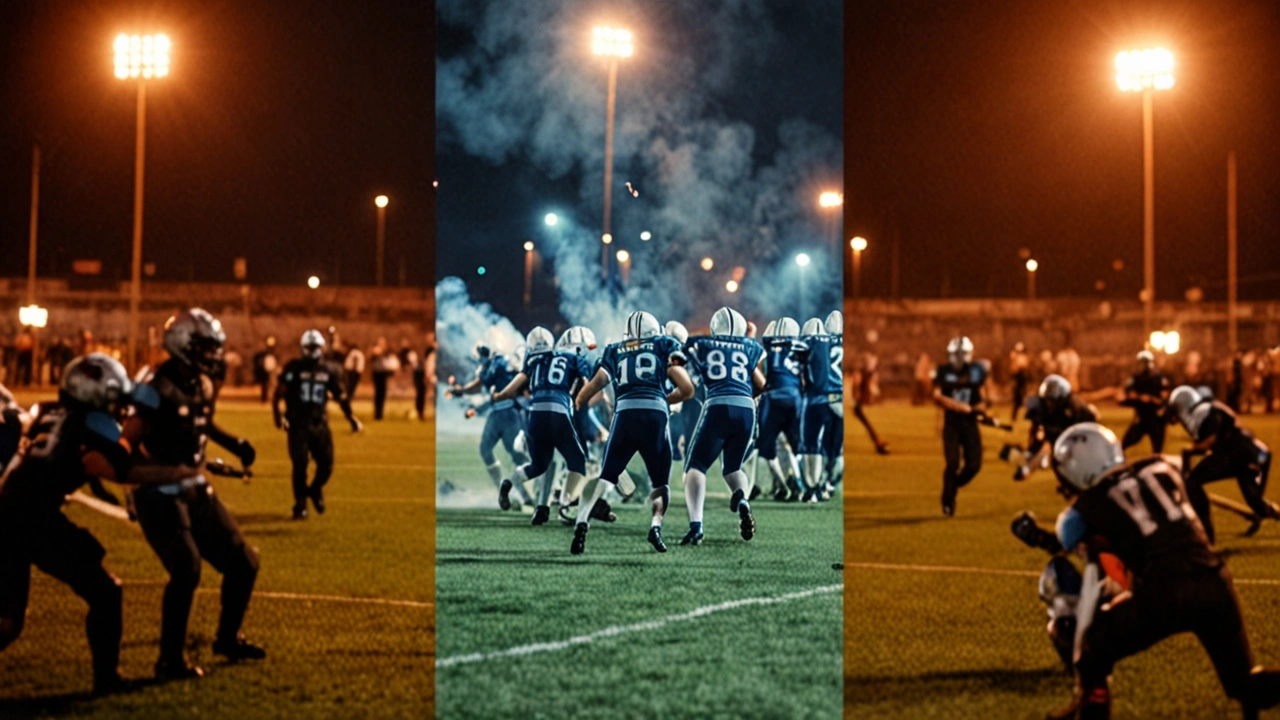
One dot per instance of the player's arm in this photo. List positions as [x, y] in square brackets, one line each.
[683, 385]
[757, 380]
[1026, 529]
[590, 390]
[946, 403]
[344, 403]
[1034, 461]
[512, 389]
[240, 447]
[276, 398]
[459, 390]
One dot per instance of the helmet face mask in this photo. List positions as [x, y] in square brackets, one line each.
[196, 338]
[312, 344]
[539, 340]
[1054, 391]
[960, 351]
[98, 381]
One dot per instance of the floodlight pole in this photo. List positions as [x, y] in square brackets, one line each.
[31, 260]
[135, 284]
[1148, 213]
[1232, 255]
[608, 160]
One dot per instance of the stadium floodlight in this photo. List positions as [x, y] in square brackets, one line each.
[731, 286]
[381, 203]
[33, 316]
[528, 246]
[646, 236]
[802, 260]
[1032, 265]
[858, 244]
[313, 282]
[607, 238]
[830, 199]
[551, 219]
[1172, 342]
[623, 256]
[707, 263]
[1146, 71]
[142, 56]
[1156, 340]
[612, 42]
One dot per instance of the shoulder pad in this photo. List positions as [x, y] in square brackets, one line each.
[145, 395]
[102, 424]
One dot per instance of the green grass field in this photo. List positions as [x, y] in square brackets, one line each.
[942, 615]
[504, 584]
[342, 603]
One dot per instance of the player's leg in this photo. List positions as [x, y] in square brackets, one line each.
[1156, 432]
[298, 458]
[510, 427]
[1214, 467]
[655, 451]
[787, 452]
[575, 460]
[833, 445]
[1133, 434]
[971, 447]
[542, 444]
[166, 525]
[617, 453]
[951, 454]
[771, 420]
[1219, 626]
[15, 580]
[489, 439]
[1121, 630]
[220, 542]
[812, 425]
[320, 443]
[740, 425]
[704, 447]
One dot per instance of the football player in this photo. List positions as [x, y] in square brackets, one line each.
[13, 423]
[781, 406]
[1233, 452]
[1020, 369]
[823, 402]
[550, 373]
[305, 385]
[957, 389]
[185, 522]
[727, 361]
[638, 368]
[1051, 411]
[504, 421]
[1139, 512]
[1146, 392]
[833, 436]
[70, 440]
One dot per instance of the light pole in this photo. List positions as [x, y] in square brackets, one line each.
[1032, 267]
[381, 203]
[830, 202]
[31, 252]
[139, 58]
[802, 261]
[613, 43]
[528, 273]
[1146, 71]
[858, 244]
[624, 265]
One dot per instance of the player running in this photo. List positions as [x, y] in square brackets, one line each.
[504, 421]
[638, 368]
[823, 403]
[305, 385]
[957, 389]
[1233, 452]
[1146, 392]
[727, 361]
[1052, 410]
[550, 372]
[1139, 513]
[781, 405]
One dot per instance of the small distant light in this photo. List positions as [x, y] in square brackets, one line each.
[802, 260]
[646, 236]
[528, 246]
[830, 199]
[731, 286]
[551, 219]
[606, 238]
[480, 270]
[858, 243]
[33, 316]
[623, 256]
[1172, 342]
[707, 263]
[1032, 265]
[381, 201]
[313, 282]
[1157, 340]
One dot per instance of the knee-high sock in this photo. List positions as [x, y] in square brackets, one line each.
[572, 486]
[695, 493]
[659, 499]
[751, 461]
[813, 470]
[737, 480]
[788, 458]
[775, 469]
[835, 472]
[495, 472]
[545, 484]
[589, 500]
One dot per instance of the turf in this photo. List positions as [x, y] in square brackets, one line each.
[924, 642]
[502, 583]
[344, 655]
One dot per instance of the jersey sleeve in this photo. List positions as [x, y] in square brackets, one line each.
[607, 363]
[582, 367]
[938, 377]
[335, 384]
[757, 353]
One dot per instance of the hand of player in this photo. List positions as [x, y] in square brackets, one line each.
[966, 408]
[470, 413]
[882, 448]
[1026, 529]
[283, 425]
[246, 453]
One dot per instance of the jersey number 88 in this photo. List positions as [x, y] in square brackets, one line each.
[718, 370]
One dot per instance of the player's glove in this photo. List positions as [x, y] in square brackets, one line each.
[244, 450]
[470, 413]
[1026, 529]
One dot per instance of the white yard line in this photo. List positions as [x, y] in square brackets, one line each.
[333, 598]
[998, 571]
[616, 630]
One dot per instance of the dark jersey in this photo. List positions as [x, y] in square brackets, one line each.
[306, 385]
[178, 414]
[1054, 421]
[823, 370]
[1215, 420]
[1154, 384]
[496, 373]
[553, 375]
[782, 357]
[1141, 515]
[962, 384]
[52, 463]
[725, 363]
[638, 370]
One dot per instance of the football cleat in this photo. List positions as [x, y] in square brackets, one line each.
[755, 492]
[237, 648]
[693, 537]
[746, 523]
[300, 513]
[602, 511]
[565, 516]
[112, 684]
[655, 539]
[781, 494]
[504, 495]
[541, 515]
[949, 509]
[177, 670]
[579, 539]
[735, 500]
[317, 499]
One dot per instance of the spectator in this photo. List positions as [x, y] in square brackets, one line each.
[385, 364]
[265, 366]
[26, 371]
[922, 388]
[352, 369]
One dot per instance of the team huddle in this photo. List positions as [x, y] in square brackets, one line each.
[668, 395]
[1142, 527]
[150, 436]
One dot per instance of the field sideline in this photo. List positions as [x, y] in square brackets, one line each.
[727, 629]
[343, 602]
[942, 615]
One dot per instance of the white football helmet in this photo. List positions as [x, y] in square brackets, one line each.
[960, 350]
[1147, 358]
[677, 331]
[813, 326]
[312, 344]
[787, 327]
[1181, 400]
[577, 339]
[834, 323]
[1084, 453]
[539, 340]
[1055, 387]
[196, 338]
[770, 329]
[641, 324]
[729, 322]
[97, 380]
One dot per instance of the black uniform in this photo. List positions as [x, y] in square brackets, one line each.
[1235, 453]
[960, 433]
[305, 385]
[1141, 515]
[186, 522]
[1050, 419]
[33, 530]
[1148, 417]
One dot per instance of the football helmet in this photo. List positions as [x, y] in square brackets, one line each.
[729, 322]
[813, 326]
[1146, 359]
[641, 324]
[1084, 453]
[1055, 388]
[770, 329]
[787, 327]
[677, 331]
[97, 380]
[481, 351]
[577, 339]
[1181, 400]
[539, 340]
[960, 350]
[196, 338]
[834, 323]
[312, 344]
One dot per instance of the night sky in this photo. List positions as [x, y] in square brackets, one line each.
[279, 124]
[974, 129]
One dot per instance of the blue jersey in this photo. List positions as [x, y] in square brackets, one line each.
[823, 371]
[782, 357]
[725, 363]
[496, 373]
[552, 375]
[638, 370]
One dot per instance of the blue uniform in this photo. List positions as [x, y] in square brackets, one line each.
[822, 429]
[782, 403]
[728, 419]
[504, 422]
[638, 370]
[551, 376]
